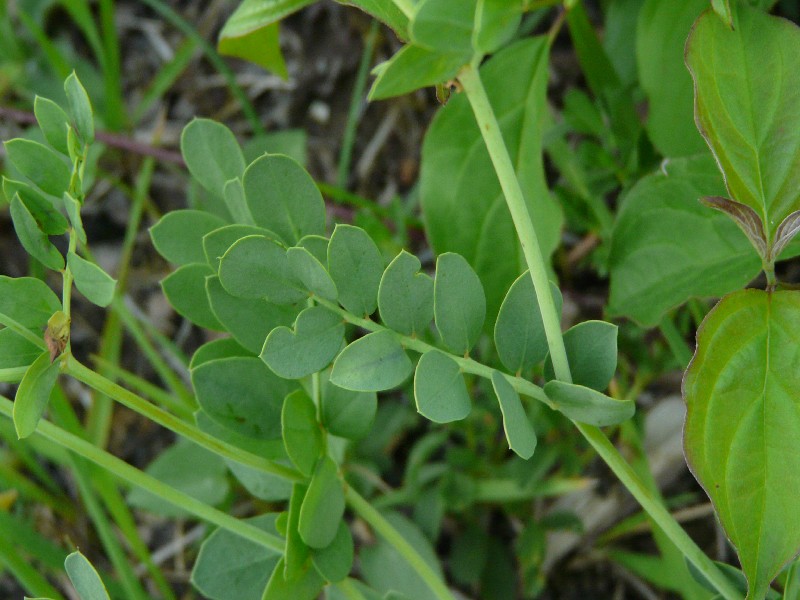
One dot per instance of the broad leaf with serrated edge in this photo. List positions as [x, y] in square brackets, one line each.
[464, 208]
[746, 94]
[743, 426]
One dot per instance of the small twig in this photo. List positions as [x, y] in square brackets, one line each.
[114, 140]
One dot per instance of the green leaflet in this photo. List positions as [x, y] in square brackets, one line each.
[464, 208]
[519, 331]
[257, 267]
[231, 567]
[459, 303]
[586, 405]
[217, 242]
[220, 348]
[91, 281]
[323, 506]
[356, 266]
[519, 432]
[243, 395]
[413, 68]
[15, 350]
[212, 154]
[28, 301]
[32, 238]
[43, 166]
[334, 562]
[296, 550]
[660, 38]
[33, 394]
[185, 289]
[386, 12]
[80, 108]
[405, 296]
[178, 236]
[592, 354]
[304, 586]
[315, 341]
[746, 106]
[302, 437]
[652, 269]
[439, 388]
[283, 197]
[742, 426]
[443, 25]
[372, 363]
[346, 413]
[249, 321]
[43, 210]
[496, 22]
[53, 122]
[84, 577]
[308, 269]
[260, 46]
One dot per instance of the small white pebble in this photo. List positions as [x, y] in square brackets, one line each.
[319, 111]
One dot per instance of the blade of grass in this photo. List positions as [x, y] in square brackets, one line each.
[356, 102]
[166, 77]
[213, 57]
[133, 476]
[25, 573]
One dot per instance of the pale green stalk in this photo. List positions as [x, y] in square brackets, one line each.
[173, 423]
[368, 512]
[125, 472]
[493, 138]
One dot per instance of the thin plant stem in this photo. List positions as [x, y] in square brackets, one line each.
[173, 423]
[356, 101]
[24, 572]
[370, 514]
[492, 135]
[675, 341]
[133, 476]
[467, 365]
[515, 199]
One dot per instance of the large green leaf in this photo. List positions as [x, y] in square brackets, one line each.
[229, 566]
[463, 205]
[742, 434]
[443, 25]
[660, 38]
[655, 263]
[386, 12]
[43, 166]
[747, 89]
[412, 68]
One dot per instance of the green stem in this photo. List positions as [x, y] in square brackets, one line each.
[467, 365]
[66, 293]
[30, 578]
[125, 472]
[173, 423]
[675, 341]
[356, 100]
[657, 512]
[493, 138]
[367, 512]
[515, 199]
